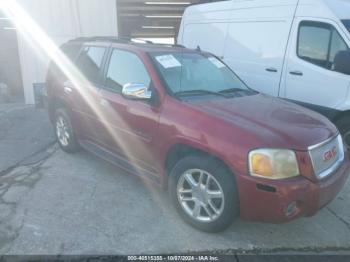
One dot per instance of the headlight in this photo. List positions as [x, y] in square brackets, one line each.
[273, 163]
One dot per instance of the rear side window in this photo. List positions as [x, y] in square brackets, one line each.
[71, 51]
[90, 62]
[125, 68]
[319, 43]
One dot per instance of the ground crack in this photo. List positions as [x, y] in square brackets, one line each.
[9, 232]
[20, 163]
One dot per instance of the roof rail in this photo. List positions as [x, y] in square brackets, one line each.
[171, 45]
[142, 40]
[123, 40]
[98, 38]
[111, 38]
[178, 45]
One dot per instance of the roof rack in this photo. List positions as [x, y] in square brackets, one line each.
[139, 39]
[100, 38]
[122, 40]
[110, 38]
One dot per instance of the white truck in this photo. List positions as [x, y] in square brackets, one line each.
[293, 49]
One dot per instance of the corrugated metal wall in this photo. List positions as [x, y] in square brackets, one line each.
[62, 20]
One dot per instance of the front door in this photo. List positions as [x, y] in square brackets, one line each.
[309, 74]
[131, 126]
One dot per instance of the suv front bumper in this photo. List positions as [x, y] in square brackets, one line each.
[288, 199]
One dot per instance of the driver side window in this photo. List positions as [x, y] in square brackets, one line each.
[319, 43]
[125, 67]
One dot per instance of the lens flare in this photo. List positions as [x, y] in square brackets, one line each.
[46, 49]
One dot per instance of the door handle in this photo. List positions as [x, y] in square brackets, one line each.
[67, 87]
[296, 73]
[104, 103]
[68, 90]
[271, 69]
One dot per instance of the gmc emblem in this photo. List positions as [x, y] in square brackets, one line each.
[328, 155]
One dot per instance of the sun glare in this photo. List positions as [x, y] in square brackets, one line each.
[47, 49]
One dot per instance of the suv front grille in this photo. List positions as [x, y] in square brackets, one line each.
[326, 157]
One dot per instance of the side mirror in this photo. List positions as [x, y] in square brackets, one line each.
[136, 92]
[342, 62]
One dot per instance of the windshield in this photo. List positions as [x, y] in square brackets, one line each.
[347, 24]
[184, 72]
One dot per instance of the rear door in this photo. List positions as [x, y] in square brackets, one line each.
[82, 91]
[132, 125]
[309, 74]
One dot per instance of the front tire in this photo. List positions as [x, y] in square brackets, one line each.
[204, 193]
[64, 131]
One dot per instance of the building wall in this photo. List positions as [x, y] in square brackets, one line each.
[9, 62]
[61, 20]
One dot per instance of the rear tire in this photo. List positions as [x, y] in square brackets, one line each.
[210, 201]
[64, 131]
[343, 125]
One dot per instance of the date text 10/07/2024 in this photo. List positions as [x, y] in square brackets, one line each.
[173, 258]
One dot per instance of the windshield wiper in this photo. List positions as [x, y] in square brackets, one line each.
[232, 90]
[199, 92]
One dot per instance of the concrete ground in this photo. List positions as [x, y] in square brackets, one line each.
[54, 203]
[79, 204]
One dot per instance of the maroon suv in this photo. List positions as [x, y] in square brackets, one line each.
[183, 119]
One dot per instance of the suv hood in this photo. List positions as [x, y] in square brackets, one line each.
[274, 122]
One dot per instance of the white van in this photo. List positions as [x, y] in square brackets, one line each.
[293, 49]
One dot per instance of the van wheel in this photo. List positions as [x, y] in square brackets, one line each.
[344, 128]
[204, 193]
[64, 131]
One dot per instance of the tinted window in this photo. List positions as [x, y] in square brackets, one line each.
[124, 68]
[71, 50]
[347, 24]
[90, 62]
[319, 43]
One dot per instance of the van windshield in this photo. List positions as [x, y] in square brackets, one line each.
[347, 24]
[190, 72]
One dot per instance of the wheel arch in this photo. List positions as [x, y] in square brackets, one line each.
[54, 104]
[340, 115]
[180, 150]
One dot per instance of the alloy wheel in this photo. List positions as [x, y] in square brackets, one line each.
[62, 131]
[200, 195]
